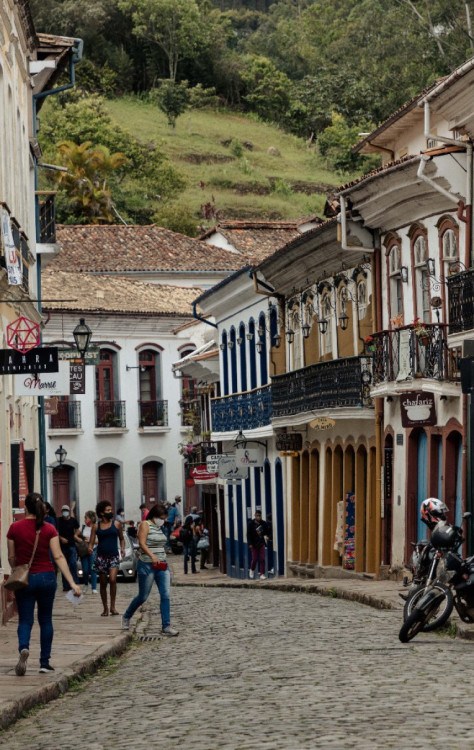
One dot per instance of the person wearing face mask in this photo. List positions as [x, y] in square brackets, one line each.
[68, 530]
[152, 568]
[108, 533]
[88, 562]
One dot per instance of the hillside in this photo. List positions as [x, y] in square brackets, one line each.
[232, 163]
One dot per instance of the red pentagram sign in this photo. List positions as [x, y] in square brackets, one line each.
[23, 334]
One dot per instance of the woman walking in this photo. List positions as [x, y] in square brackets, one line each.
[109, 533]
[152, 567]
[89, 572]
[22, 537]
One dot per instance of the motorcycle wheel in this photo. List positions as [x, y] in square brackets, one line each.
[412, 625]
[440, 616]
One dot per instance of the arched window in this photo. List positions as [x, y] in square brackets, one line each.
[190, 402]
[421, 276]
[362, 299]
[449, 245]
[225, 364]
[394, 265]
[233, 360]
[263, 351]
[243, 357]
[110, 412]
[252, 355]
[326, 314]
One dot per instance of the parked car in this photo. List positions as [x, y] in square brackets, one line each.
[127, 566]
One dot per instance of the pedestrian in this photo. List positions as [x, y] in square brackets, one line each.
[68, 530]
[50, 516]
[203, 544]
[179, 510]
[152, 567]
[270, 551]
[120, 516]
[143, 511]
[89, 573]
[187, 539]
[257, 535]
[193, 515]
[21, 539]
[109, 533]
[132, 530]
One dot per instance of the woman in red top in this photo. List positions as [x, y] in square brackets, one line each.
[41, 587]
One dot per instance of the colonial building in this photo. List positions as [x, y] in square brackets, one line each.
[418, 206]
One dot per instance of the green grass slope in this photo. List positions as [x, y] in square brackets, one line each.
[237, 166]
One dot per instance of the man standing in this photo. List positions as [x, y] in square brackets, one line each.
[257, 536]
[68, 530]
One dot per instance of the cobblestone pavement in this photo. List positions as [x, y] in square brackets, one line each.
[260, 669]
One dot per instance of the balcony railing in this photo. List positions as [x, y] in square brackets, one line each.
[327, 385]
[461, 301]
[47, 217]
[403, 354]
[110, 414]
[68, 416]
[242, 411]
[153, 413]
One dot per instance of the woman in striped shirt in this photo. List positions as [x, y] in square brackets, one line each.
[152, 567]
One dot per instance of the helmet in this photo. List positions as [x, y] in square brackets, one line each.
[433, 510]
[445, 536]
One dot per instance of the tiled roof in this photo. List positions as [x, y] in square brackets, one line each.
[385, 169]
[256, 240]
[118, 294]
[122, 249]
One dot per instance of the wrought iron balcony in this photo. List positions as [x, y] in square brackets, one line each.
[461, 301]
[46, 216]
[242, 411]
[68, 416]
[110, 414]
[153, 413]
[327, 385]
[404, 353]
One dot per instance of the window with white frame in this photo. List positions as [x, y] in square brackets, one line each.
[326, 314]
[362, 299]
[395, 280]
[450, 251]
[422, 281]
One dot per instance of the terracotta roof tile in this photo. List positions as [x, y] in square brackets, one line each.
[121, 249]
[118, 294]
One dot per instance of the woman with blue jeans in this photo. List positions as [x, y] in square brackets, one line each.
[22, 537]
[152, 568]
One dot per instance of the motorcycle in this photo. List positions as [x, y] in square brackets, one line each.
[428, 569]
[431, 604]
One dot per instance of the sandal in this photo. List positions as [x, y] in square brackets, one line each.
[114, 612]
[105, 613]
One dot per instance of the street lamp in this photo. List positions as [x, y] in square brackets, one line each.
[82, 336]
[60, 454]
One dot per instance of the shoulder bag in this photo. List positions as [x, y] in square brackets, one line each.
[18, 578]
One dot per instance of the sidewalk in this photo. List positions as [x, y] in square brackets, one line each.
[84, 640]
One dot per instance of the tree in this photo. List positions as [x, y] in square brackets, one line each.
[267, 88]
[173, 99]
[175, 26]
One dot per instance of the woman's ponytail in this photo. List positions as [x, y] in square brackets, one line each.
[35, 505]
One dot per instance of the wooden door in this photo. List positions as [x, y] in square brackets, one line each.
[61, 487]
[107, 483]
[150, 483]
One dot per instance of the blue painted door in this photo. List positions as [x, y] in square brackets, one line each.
[280, 517]
[422, 487]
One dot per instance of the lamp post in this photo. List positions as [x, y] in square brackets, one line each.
[82, 336]
[60, 454]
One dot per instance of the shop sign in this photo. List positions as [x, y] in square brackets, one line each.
[202, 475]
[91, 356]
[41, 359]
[322, 423]
[212, 462]
[77, 379]
[418, 409]
[51, 405]
[40, 384]
[289, 441]
[250, 456]
[23, 334]
[228, 469]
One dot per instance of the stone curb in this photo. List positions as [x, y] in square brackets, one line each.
[55, 688]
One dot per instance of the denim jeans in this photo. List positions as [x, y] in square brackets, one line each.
[88, 570]
[40, 590]
[146, 576]
[190, 551]
[70, 553]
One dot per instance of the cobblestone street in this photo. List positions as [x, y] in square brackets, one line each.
[266, 669]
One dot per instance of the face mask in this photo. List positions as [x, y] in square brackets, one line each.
[158, 522]
[88, 522]
[65, 514]
[108, 516]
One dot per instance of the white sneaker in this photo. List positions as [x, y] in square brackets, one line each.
[251, 574]
[20, 668]
[125, 623]
[85, 590]
[170, 631]
[263, 578]
[271, 572]
[94, 591]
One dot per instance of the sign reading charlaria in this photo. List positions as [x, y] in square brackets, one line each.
[418, 409]
[41, 384]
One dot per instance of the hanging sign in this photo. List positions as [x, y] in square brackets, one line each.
[77, 379]
[23, 334]
[41, 359]
[289, 441]
[41, 384]
[228, 469]
[91, 356]
[418, 409]
[404, 359]
[322, 423]
[212, 463]
[250, 456]
[202, 475]
[12, 257]
[51, 405]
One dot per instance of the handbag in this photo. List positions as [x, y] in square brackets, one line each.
[82, 548]
[203, 543]
[18, 578]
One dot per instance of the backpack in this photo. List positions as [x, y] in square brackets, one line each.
[185, 535]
